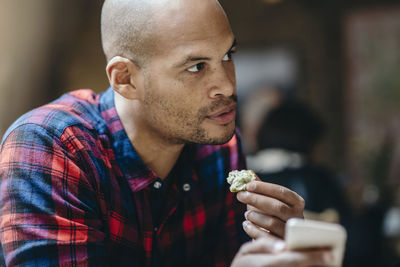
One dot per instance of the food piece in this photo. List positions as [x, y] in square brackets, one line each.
[239, 179]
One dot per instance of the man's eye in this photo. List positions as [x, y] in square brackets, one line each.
[196, 68]
[228, 56]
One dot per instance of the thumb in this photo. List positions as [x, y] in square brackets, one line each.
[268, 244]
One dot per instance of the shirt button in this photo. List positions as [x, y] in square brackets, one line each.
[155, 229]
[186, 187]
[157, 185]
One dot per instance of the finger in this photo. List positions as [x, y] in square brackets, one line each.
[250, 207]
[267, 244]
[255, 256]
[279, 192]
[270, 206]
[272, 224]
[305, 258]
[255, 231]
[254, 260]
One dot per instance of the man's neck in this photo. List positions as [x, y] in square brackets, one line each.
[158, 156]
[156, 152]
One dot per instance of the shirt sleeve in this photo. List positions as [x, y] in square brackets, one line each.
[49, 211]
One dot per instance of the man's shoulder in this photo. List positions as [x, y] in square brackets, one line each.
[76, 108]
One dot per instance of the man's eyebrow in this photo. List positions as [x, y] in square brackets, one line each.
[190, 59]
[233, 45]
[195, 58]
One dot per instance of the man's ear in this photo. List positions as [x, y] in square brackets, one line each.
[122, 74]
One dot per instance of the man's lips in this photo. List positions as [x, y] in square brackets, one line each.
[224, 116]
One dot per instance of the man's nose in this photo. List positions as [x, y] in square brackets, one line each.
[224, 82]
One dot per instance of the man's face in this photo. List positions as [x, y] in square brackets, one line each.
[190, 88]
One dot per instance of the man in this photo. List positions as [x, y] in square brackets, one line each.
[136, 176]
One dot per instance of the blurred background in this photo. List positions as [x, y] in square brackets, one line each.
[340, 57]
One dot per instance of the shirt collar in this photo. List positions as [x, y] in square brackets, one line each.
[132, 167]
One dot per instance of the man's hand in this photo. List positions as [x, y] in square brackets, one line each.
[269, 206]
[270, 251]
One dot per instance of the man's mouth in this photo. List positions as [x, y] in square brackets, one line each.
[224, 116]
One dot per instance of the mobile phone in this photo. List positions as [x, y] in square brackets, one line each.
[307, 234]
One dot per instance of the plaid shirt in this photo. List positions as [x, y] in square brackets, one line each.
[74, 192]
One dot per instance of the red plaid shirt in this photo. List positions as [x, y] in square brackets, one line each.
[74, 192]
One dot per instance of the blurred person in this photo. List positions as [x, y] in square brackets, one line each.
[288, 142]
[252, 110]
[135, 176]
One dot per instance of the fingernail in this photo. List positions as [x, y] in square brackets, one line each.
[242, 195]
[250, 186]
[246, 214]
[246, 224]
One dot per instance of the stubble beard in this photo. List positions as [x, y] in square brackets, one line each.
[180, 126]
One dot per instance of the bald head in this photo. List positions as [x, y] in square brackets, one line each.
[132, 28]
[125, 29]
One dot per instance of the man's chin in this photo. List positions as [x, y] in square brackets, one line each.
[223, 140]
[218, 138]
